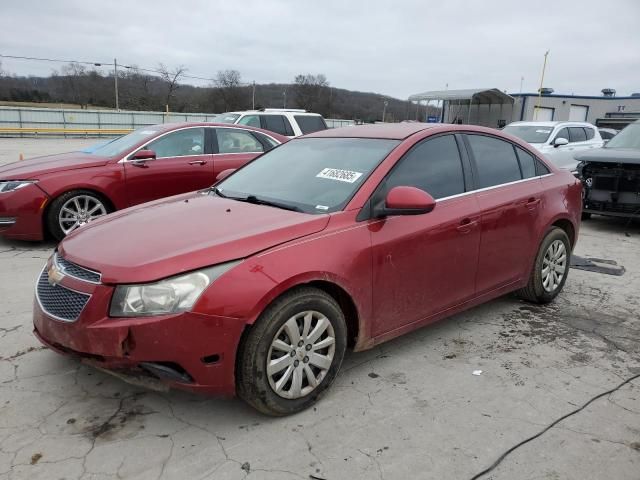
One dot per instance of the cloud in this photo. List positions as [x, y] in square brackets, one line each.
[395, 48]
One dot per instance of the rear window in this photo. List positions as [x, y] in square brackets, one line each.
[310, 123]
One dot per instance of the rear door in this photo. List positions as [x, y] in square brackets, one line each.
[183, 163]
[424, 264]
[233, 148]
[509, 198]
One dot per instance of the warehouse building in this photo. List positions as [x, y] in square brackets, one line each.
[493, 108]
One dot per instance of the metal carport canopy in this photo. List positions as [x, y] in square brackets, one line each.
[472, 95]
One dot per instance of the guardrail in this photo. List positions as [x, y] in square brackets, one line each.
[29, 121]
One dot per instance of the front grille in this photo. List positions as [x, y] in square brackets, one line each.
[77, 271]
[58, 301]
[630, 208]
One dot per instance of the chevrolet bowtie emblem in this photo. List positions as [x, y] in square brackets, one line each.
[54, 274]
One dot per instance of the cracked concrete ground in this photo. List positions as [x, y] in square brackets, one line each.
[410, 408]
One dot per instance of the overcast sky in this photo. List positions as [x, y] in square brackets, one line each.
[391, 47]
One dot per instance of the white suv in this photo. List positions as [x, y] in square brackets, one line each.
[559, 141]
[288, 122]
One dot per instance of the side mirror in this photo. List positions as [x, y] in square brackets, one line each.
[560, 141]
[406, 201]
[142, 156]
[224, 174]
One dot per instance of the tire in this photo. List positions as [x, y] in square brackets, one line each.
[585, 216]
[541, 288]
[60, 221]
[275, 393]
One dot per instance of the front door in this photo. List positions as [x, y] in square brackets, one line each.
[183, 163]
[424, 264]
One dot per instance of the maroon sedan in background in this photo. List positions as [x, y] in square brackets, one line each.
[346, 237]
[56, 194]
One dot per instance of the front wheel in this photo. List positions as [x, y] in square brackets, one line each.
[292, 353]
[73, 209]
[550, 269]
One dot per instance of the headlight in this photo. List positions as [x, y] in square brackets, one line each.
[172, 295]
[11, 185]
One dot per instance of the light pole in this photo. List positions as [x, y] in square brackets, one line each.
[284, 102]
[384, 109]
[544, 67]
[253, 96]
[115, 77]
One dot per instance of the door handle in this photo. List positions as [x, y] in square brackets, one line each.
[466, 225]
[198, 162]
[532, 203]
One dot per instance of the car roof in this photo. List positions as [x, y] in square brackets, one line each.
[272, 112]
[391, 131]
[551, 124]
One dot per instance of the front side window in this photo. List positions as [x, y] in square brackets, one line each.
[250, 120]
[433, 166]
[313, 175]
[576, 134]
[310, 123]
[496, 160]
[564, 133]
[237, 141]
[180, 143]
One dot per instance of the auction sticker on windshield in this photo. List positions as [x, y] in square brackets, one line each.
[340, 175]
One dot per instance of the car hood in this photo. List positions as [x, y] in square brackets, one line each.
[182, 233]
[611, 155]
[34, 168]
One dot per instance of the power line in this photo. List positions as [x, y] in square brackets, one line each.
[108, 64]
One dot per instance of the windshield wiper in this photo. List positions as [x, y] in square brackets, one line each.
[257, 201]
[217, 191]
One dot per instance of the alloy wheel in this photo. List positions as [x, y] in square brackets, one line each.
[78, 211]
[301, 354]
[554, 265]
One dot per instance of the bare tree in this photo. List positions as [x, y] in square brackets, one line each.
[230, 89]
[311, 91]
[171, 78]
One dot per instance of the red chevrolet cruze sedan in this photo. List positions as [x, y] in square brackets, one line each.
[56, 194]
[345, 237]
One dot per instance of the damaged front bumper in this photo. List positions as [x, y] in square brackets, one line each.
[190, 351]
[611, 189]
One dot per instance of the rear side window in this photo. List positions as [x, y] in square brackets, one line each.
[268, 142]
[527, 163]
[433, 166]
[590, 133]
[576, 134]
[541, 168]
[496, 160]
[277, 123]
[310, 123]
[237, 141]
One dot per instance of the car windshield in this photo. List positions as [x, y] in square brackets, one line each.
[126, 142]
[313, 175]
[226, 118]
[529, 133]
[629, 137]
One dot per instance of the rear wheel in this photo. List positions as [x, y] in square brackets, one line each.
[293, 352]
[550, 269]
[73, 209]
